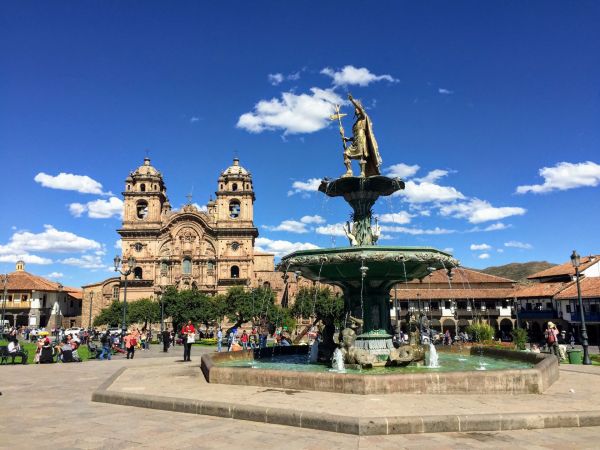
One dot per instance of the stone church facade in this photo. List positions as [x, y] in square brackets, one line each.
[209, 249]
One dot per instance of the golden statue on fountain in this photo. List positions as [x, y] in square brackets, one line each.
[363, 145]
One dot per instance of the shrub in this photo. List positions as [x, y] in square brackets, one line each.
[519, 336]
[481, 331]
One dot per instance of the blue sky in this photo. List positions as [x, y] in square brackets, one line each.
[489, 110]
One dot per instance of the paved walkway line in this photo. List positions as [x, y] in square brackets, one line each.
[363, 426]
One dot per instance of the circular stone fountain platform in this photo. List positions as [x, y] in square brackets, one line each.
[543, 372]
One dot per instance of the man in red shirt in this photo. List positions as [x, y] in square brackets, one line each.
[188, 334]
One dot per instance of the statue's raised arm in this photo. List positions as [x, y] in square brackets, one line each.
[364, 146]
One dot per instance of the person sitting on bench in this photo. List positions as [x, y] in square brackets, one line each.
[14, 350]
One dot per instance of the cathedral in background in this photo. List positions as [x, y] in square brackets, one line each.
[208, 249]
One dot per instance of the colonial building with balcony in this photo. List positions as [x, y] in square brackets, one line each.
[34, 301]
[552, 296]
[454, 303]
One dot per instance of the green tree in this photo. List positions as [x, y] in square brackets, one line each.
[519, 336]
[243, 306]
[143, 311]
[112, 315]
[481, 331]
[323, 305]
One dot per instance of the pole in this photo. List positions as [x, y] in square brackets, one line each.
[124, 324]
[57, 316]
[4, 300]
[584, 335]
[162, 314]
[91, 301]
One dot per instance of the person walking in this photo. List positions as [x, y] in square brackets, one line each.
[551, 335]
[219, 339]
[105, 340]
[166, 336]
[130, 344]
[188, 335]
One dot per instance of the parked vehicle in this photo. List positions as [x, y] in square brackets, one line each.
[73, 331]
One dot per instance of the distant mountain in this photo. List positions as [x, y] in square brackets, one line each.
[518, 271]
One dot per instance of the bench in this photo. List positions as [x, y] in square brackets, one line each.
[4, 355]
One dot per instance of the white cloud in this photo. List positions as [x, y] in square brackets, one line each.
[70, 182]
[333, 229]
[28, 258]
[194, 119]
[291, 226]
[477, 211]
[448, 250]
[480, 247]
[293, 113]
[201, 208]
[493, 227]
[281, 248]
[500, 250]
[484, 256]
[445, 91]
[85, 262]
[565, 176]
[433, 176]
[98, 209]
[350, 75]
[517, 244]
[401, 217]
[428, 192]
[50, 240]
[55, 275]
[401, 170]
[312, 219]
[275, 78]
[310, 185]
[119, 244]
[416, 231]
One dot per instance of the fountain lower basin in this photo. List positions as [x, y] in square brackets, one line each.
[506, 372]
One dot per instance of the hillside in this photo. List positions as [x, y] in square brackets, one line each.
[518, 271]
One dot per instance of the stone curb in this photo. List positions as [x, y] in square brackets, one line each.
[363, 426]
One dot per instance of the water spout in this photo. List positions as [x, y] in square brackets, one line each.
[432, 357]
[337, 362]
[314, 352]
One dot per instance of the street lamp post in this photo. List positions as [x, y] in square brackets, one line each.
[91, 301]
[57, 316]
[130, 263]
[5, 281]
[576, 261]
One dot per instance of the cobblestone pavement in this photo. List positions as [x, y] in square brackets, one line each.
[50, 407]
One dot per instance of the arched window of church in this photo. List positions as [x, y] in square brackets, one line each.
[142, 209]
[234, 209]
[186, 266]
[235, 272]
[143, 187]
[137, 273]
[234, 187]
[164, 268]
[267, 285]
[221, 186]
[210, 266]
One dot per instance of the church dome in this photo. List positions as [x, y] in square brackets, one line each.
[235, 169]
[146, 168]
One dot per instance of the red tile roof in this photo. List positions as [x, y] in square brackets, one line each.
[565, 269]
[539, 290]
[445, 294]
[25, 281]
[590, 288]
[463, 275]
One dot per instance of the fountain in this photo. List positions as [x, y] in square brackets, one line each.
[365, 359]
[364, 271]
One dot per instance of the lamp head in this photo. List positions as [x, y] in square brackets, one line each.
[575, 259]
[117, 261]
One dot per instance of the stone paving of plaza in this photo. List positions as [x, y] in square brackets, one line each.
[50, 406]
